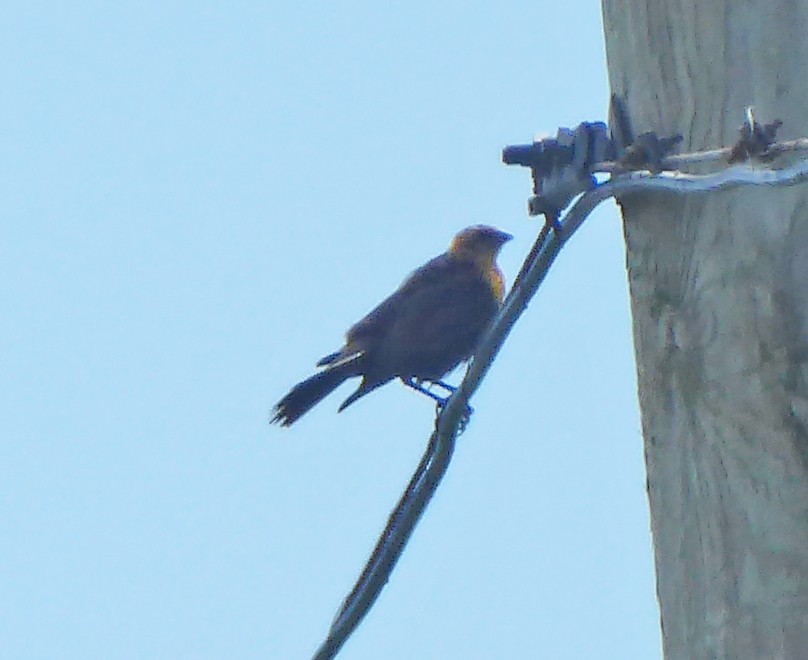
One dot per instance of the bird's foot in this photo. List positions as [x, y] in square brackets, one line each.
[465, 417]
[440, 401]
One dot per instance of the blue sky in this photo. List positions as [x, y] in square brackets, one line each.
[197, 200]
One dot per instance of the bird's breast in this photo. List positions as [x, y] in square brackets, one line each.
[496, 281]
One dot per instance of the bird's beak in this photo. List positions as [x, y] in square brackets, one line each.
[504, 237]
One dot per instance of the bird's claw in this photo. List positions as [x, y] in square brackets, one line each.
[465, 417]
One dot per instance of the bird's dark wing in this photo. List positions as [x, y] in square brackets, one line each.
[378, 321]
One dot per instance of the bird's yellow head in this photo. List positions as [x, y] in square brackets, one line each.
[479, 241]
[481, 244]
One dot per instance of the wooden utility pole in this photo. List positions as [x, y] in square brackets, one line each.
[719, 289]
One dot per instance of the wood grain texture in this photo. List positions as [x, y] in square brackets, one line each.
[719, 288]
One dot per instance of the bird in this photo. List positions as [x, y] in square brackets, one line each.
[422, 331]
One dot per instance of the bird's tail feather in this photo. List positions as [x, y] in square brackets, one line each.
[305, 395]
[363, 389]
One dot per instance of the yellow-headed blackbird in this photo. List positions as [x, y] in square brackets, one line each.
[421, 332]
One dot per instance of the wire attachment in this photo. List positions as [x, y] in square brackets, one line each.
[754, 139]
[562, 166]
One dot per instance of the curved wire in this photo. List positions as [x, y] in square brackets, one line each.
[438, 454]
